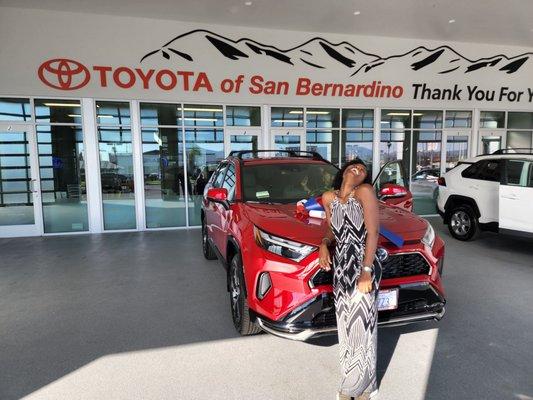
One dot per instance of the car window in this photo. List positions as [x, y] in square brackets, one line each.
[219, 176]
[530, 175]
[490, 171]
[486, 170]
[514, 172]
[392, 173]
[229, 181]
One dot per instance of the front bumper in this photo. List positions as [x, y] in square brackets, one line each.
[416, 302]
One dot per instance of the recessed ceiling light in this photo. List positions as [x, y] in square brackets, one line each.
[451, 21]
[248, 3]
[356, 12]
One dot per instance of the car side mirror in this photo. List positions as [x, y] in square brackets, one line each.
[396, 195]
[391, 191]
[218, 195]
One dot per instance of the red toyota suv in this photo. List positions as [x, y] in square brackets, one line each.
[270, 251]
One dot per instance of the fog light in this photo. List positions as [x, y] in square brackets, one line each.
[440, 265]
[263, 285]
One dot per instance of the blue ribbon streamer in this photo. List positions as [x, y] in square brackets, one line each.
[397, 240]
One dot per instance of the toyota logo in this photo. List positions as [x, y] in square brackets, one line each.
[64, 74]
[382, 254]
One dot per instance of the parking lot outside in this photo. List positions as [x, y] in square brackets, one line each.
[144, 316]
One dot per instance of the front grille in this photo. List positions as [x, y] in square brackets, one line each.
[396, 266]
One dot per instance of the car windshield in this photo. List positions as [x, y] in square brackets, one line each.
[286, 183]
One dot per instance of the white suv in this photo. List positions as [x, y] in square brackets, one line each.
[492, 192]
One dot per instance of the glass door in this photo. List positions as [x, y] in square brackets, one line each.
[242, 139]
[491, 141]
[456, 147]
[20, 211]
[287, 139]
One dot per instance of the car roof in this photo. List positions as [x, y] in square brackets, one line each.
[278, 160]
[500, 157]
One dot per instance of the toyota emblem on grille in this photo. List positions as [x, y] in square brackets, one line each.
[382, 254]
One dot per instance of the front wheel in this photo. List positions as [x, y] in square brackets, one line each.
[463, 223]
[240, 311]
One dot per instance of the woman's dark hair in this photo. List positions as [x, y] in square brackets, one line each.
[337, 181]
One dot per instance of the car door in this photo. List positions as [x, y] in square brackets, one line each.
[392, 185]
[212, 216]
[481, 183]
[225, 214]
[516, 196]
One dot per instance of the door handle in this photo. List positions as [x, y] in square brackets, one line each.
[32, 188]
[473, 187]
[510, 196]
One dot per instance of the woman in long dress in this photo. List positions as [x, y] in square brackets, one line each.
[353, 223]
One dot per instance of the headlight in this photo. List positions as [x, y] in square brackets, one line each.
[284, 247]
[429, 236]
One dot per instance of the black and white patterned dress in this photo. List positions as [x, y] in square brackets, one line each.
[356, 312]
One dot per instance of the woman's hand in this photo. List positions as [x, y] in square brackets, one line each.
[324, 259]
[364, 283]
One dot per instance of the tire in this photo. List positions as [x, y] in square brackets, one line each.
[208, 251]
[463, 224]
[240, 312]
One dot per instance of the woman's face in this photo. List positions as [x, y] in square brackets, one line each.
[355, 174]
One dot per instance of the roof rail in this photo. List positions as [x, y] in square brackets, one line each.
[291, 153]
[521, 150]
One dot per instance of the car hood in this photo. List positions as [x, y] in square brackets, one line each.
[282, 220]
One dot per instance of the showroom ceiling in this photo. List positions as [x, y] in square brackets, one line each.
[484, 21]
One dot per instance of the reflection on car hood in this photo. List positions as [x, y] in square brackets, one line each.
[281, 220]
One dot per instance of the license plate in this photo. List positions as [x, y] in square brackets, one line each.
[387, 299]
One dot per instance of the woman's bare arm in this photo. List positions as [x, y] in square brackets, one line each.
[327, 197]
[367, 196]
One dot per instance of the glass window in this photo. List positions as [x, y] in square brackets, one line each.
[219, 178]
[12, 109]
[458, 119]
[153, 114]
[62, 170]
[516, 174]
[456, 150]
[519, 139]
[324, 142]
[65, 111]
[392, 174]
[520, 120]
[229, 181]
[16, 200]
[357, 144]
[322, 118]
[394, 146]
[203, 115]
[395, 119]
[286, 117]
[492, 119]
[353, 118]
[426, 119]
[244, 142]
[286, 183]
[487, 170]
[116, 165]
[113, 113]
[164, 177]
[243, 116]
[205, 149]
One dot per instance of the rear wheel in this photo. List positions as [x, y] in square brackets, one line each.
[240, 311]
[463, 223]
[208, 251]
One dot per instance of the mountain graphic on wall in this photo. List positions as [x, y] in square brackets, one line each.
[318, 53]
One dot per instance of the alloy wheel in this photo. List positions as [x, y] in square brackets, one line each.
[461, 223]
[236, 293]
